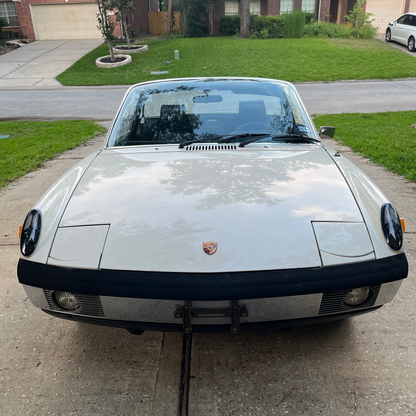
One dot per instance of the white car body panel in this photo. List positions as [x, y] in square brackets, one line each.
[369, 199]
[86, 253]
[261, 310]
[162, 206]
[52, 205]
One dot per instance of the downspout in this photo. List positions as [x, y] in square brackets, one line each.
[319, 11]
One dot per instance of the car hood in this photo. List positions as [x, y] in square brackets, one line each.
[258, 204]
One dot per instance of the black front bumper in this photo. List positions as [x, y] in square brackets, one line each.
[213, 286]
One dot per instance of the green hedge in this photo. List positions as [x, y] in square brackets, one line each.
[229, 25]
[264, 27]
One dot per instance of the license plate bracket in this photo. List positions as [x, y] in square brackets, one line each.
[235, 312]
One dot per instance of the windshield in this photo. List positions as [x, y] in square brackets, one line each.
[194, 110]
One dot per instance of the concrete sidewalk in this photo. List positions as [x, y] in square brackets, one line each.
[38, 63]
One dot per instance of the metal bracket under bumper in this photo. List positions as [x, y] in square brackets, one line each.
[186, 313]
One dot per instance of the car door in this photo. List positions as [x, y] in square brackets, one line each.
[399, 29]
[411, 28]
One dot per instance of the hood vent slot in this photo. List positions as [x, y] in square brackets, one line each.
[211, 147]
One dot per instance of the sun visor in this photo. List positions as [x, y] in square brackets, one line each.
[343, 242]
[79, 246]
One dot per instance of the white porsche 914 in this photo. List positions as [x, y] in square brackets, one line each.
[213, 206]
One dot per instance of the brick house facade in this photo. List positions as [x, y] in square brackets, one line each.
[25, 14]
[382, 10]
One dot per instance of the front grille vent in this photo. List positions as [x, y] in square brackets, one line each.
[334, 302]
[212, 147]
[90, 305]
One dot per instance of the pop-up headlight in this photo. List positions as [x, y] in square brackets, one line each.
[30, 232]
[392, 226]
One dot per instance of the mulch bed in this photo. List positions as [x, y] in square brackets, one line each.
[116, 59]
[7, 48]
[126, 48]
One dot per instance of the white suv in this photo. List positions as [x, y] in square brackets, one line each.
[403, 30]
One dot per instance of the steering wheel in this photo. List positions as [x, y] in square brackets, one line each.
[254, 127]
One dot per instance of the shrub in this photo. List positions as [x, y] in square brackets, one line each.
[309, 18]
[333, 30]
[264, 27]
[229, 25]
[294, 24]
[195, 27]
[8, 34]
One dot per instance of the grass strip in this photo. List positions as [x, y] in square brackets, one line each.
[295, 60]
[31, 143]
[387, 139]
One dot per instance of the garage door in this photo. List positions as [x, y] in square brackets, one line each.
[65, 21]
[412, 7]
[384, 11]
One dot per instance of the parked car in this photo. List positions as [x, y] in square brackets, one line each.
[213, 205]
[403, 30]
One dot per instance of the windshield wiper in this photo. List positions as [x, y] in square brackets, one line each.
[224, 138]
[300, 138]
[230, 138]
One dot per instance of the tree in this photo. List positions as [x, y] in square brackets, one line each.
[169, 16]
[105, 25]
[123, 6]
[244, 18]
[357, 18]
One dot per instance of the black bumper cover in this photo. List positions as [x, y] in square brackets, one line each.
[213, 286]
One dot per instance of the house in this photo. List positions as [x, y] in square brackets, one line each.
[76, 19]
[384, 11]
[66, 19]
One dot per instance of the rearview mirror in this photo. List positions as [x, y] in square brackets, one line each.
[327, 131]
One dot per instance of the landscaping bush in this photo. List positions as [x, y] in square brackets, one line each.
[3, 23]
[229, 25]
[333, 30]
[310, 18]
[8, 34]
[195, 27]
[294, 24]
[264, 27]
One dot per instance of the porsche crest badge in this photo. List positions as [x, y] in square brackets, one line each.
[210, 247]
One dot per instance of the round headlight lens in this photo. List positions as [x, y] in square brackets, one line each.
[30, 232]
[392, 226]
[66, 300]
[356, 297]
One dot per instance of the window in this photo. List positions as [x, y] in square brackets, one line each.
[308, 6]
[255, 7]
[286, 6]
[231, 7]
[8, 12]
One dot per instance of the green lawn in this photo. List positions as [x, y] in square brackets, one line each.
[388, 139]
[294, 60]
[33, 142]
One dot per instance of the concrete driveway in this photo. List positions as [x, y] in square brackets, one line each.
[38, 63]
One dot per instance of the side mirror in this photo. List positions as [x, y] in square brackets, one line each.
[327, 131]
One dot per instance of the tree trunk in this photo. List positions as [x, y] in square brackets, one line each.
[110, 47]
[126, 29]
[244, 18]
[169, 16]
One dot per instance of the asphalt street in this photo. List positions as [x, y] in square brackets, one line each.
[101, 103]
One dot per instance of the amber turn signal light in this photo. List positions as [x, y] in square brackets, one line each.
[403, 224]
[20, 230]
